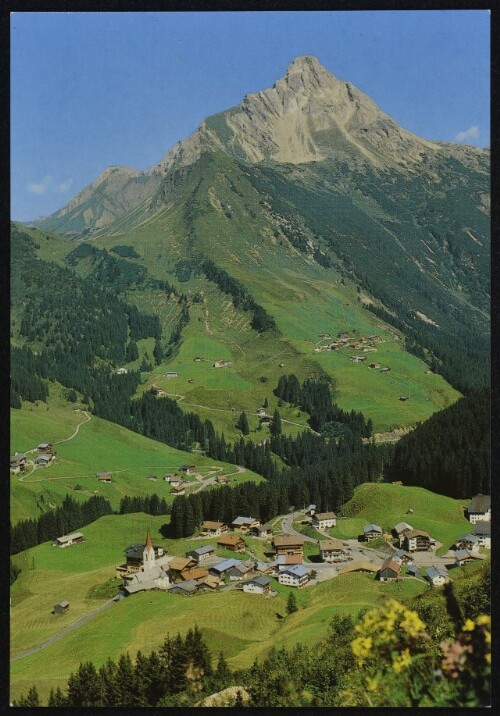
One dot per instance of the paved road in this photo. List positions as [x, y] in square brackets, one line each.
[80, 622]
[288, 529]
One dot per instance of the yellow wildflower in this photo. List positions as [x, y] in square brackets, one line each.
[469, 625]
[412, 623]
[483, 620]
[372, 684]
[361, 648]
[488, 658]
[402, 661]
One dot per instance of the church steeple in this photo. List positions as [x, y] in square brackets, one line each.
[148, 556]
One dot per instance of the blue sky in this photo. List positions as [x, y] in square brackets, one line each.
[89, 90]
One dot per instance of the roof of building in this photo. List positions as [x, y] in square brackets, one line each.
[267, 527]
[244, 566]
[290, 559]
[208, 525]
[325, 516]
[196, 573]
[63, 603]
[479, 503]
[261, 581]
[462, 554]
[43, 445]
[325, 544]
[73, 535]
[402, 526]
[244, 521]
[417, 533]
[140, 586]
[467, 538]
[439, 571]
[43, 458]
[372, 528]
[288, 540]
[134, 551]
[299, 570]
[357, 565]
[389, 563]
[413, 568]
[188, 585]
[400, 553]
[206, 549]
[264, 566]
[18, 457]
[210, 581]
[180, 563]
[230, 539]
[225, 564]
[482, 528]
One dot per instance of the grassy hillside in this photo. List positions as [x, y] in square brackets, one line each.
[142, 622]
[386, 505]
[99, 446]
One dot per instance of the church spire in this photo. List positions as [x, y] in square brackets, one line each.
[149, 541]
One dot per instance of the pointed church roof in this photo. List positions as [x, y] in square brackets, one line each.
[149, 541]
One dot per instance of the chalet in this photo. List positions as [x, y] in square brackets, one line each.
[374, 365]
[330, 550]
[401, 528]
[121, 371]
[468, 541]
[198, 359]
[104, 477]
[266, 567]
[155, 578]
[288, 560]
[222, 479]
[479, 509]
[257, 585]
[400, 556]
[221, 568]
[464, 556]
[159, 392]
[201, 554]
[172, 374]
[195, 573]
[361, 565]
[44, 460]
[326, 336]
[178, 566]
[62, 607]
[261, 411]
[169, 477]
[371, 532]
[311, 510]
[385, 370]
[403, 397]
[179, 490]
[188, 469]
[296, 576]
[358, 359]
[482, 530]
[233, 542]
[174, 480]
[397, 482]
[324, 520]
[44, 447]
[288, 544]
[186, 587]
[416, 541]
[68, 540]
[344, 335]
[245, 524]
[242, 570]
[214, 528]
[266, 420]
[437, 575]
[389, 570]
[18, 462]
[265, 530]
[208, 584]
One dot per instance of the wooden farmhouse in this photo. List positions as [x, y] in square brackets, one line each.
[482, 530]
[18, 462]
[371, 532]
[416, 541]
[245, 524]
[468, 541]
[389, 570]
[437, 575]
[44, 460]
[213, 528]
[324, 520]
[44, 447]
[201, 554]
[233, 542]
[104, 477]
[288, 544]
[284, 561]
[69, 540]
[296, 576]
[331, 550]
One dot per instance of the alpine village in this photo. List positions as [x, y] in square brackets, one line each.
[250, 454]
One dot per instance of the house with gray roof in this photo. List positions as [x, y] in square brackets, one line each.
[372, 532]
[468, 541]
[242, 570]
[201, 554]
[482, 530]
[295, 576]
[257, 585]
[464, 556]
[437, 575]
[68, 540]
[479, 509]
[401, 528]
[244, 524]
[62, 607]
[44, 460]
[220, 569]
[186, 588]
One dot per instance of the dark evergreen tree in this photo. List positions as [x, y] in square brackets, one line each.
[242, 423]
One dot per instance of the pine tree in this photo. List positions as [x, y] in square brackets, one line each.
[242, 424]
[56, 698]
[276, 424]
[265, 404]
[291, 603]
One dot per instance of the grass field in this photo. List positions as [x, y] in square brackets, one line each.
[99, 446]
[386, 505]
